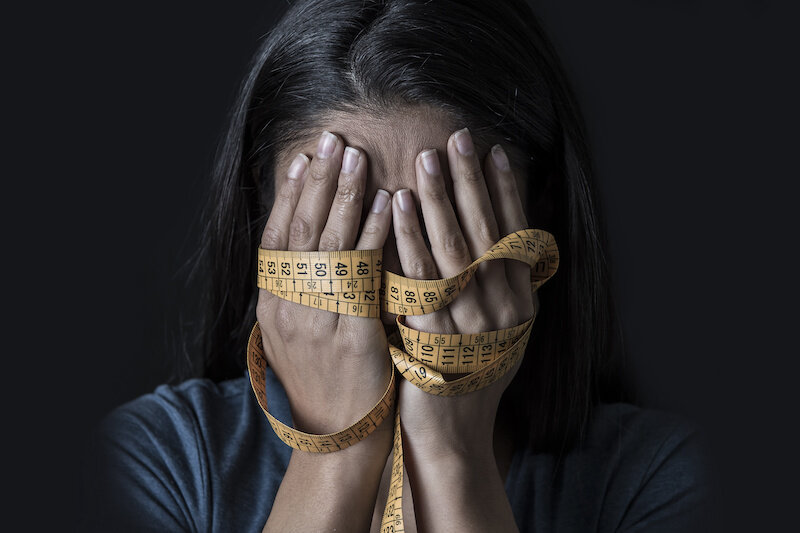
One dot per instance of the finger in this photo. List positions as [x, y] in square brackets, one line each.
[415, 259]
[373, 236]
[510, 218]
[450, 251]
[315, 201]
[474, 207]
[276, 233]
[341, 229]
[479, 225]
[378, 223]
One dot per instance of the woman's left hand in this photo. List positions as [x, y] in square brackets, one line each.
[447, 437]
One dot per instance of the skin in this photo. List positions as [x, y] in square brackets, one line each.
[463, 197]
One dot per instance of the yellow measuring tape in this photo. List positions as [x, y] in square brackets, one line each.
[352, 282]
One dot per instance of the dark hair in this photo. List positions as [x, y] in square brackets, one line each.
[491, 67]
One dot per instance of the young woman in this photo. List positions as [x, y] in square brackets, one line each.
[430, 129]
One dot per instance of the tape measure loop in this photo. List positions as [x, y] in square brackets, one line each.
[352, 282]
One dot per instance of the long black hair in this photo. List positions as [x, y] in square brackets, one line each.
[491, 67]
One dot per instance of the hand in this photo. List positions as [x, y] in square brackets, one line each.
[448, 441]
[334, 367]
[498, 296]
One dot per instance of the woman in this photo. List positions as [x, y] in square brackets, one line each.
[431, 130]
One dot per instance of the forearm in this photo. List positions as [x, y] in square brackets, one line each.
[459, 493]
[331, 491]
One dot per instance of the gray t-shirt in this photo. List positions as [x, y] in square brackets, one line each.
[200, 456]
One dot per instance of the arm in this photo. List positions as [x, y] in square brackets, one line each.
[450, 458]
[333, 367]
[458, 491]
[332, 491]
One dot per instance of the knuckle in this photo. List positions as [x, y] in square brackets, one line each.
[471, 174]
[437, 193]
[507, 314]
[487, 230]
[322, 324]
[285, 193]
[330, 241]
[371, 229]
[349, 193]
[347, 337]
[320, 173]
[410, 230]
[479, 323]
[454, 246]
[422, 268]
[299, 230]
[285, 322]
[271, 238]
[507, 184]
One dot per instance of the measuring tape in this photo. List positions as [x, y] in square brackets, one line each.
[352, 282]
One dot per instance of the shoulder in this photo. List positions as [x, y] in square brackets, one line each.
[654, 476]
[178, 412]
[196, 414]
[633, 435]
[171, 453]
[661, 467]
[177, 425]
[634, 469]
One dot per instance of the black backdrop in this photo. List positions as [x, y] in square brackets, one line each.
[690, 107]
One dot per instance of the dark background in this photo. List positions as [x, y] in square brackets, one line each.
[117, 109]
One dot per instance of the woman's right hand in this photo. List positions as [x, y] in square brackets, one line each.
[333, 367]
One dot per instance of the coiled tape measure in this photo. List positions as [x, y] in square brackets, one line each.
[352, 282]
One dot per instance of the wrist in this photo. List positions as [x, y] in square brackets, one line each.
[448, 486]
[342, 485]
[457, 443]
[461, 460]
[356, 458]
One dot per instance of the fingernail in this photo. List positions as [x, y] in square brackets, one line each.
[464, 142]
[499, 157]
[350, 160]
[326, 145]
[430, 162]
[298, 167]
[380, 202]
[405, 200]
